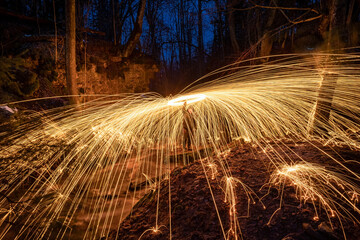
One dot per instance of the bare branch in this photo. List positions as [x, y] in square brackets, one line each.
[275, 7]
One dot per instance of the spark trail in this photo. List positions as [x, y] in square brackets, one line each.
[116, 143]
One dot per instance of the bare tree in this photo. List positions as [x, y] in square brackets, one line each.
[114, 22]
[200, 37]
[71, 52]
[136, 32]
[219, 29]
[155, 23]
[329, 80]
[55, 43]
[232, 25]
[122, 12]
[267, 40]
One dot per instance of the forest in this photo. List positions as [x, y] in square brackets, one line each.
[180, 119]
[184, 38]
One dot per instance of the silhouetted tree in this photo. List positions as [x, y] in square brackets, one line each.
[329, 80]
[71, 51]
[136, 32]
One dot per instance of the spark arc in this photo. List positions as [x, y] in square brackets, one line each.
[188, 98]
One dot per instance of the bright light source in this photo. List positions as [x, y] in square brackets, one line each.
[189, 99]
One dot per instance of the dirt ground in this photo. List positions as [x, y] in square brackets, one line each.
[193, 212]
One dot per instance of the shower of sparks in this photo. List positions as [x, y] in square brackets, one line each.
[188, 99]
[84, 158]
[326, 189]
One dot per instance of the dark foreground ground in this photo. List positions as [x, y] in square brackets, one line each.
[194, 217]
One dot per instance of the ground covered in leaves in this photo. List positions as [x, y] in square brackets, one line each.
[195, 217]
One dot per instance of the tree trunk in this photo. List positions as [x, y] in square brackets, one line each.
[220, 29]
[328, 83]
[267, 40]
[71, 52]
[114, 18]
[180, 35]
[350, 11]
[231, 22]
[55, 43]
[249, 29]
[136, 32]
[351, 31]
[200, 38]
[182, 48]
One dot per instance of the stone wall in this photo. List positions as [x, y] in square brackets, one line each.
[111, 78]
[100, 69]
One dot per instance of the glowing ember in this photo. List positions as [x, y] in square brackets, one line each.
[112, 145]
[321, 187]
[188, 99]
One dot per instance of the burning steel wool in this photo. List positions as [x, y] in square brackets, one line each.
[126, 145]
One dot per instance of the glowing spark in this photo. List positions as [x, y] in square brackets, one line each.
[124, 141]
[188, 98]
[324, 188]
